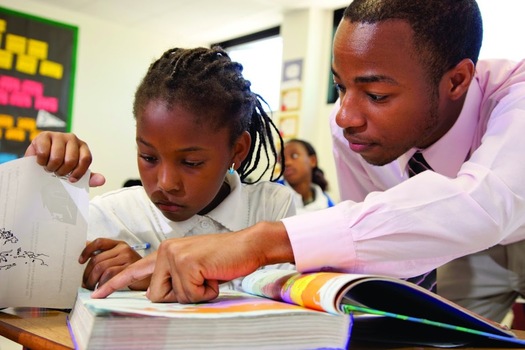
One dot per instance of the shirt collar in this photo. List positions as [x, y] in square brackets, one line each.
[232, 212]
[447, 154]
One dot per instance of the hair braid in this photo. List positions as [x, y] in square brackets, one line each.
[210, 85]
[261, 131]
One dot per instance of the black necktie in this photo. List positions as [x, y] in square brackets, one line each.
[418, 164]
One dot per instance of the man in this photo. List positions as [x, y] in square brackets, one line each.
[409, 83]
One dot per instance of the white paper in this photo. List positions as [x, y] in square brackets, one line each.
[43, 229]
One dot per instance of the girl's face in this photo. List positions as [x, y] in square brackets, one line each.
[182, 164]
[298, 164]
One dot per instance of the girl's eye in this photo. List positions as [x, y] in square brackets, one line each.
[147, 158]
[295, 155]
[192, 164]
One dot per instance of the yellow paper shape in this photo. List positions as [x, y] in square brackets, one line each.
[37, 48]
[15, 134]
[6, 60]
[26, 123]
[3, 25]
[6, 121]
[26, 64]
[51, 69]
[15, 43]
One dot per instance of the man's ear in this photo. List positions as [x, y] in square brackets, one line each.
[241, 148]
[457, 80]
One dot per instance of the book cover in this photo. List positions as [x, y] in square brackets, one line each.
[398, 311]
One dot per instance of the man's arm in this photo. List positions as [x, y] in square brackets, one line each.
[190, 269]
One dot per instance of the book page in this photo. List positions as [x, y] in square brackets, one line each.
[439, 321]
[319, 290]
[228, 304]
[43, 229]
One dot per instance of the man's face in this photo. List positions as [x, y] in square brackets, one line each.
[386, 100]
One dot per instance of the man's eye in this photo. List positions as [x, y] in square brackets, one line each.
[377, 98]
[339, 87]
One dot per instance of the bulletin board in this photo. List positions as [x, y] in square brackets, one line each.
[37, 75]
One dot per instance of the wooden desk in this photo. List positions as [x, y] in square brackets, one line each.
[37, 329]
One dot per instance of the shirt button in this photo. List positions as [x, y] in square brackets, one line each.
[205, 224]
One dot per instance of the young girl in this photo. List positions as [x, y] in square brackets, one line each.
[303, 175]
[200, 134]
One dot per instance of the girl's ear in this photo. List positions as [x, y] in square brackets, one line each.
[241, 148]
[313, 161]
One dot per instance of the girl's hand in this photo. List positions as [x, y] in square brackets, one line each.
[65, 155]
[108, 257]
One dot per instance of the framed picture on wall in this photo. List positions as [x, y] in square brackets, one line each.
[37, 75]
[289, 125]
[290, 99]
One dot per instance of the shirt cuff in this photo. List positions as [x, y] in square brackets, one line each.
[321, 240]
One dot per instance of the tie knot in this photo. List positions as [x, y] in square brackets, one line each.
[417, 164]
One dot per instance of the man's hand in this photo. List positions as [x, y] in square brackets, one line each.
[65, 155]
[131, 276]
[189, 269]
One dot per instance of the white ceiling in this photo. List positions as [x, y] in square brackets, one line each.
[203, 21]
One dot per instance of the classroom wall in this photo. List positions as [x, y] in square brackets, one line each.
[307, 35]
[111, 60]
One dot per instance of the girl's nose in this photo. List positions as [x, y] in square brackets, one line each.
[168, 179]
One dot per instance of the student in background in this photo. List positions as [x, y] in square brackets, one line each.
[200, 132]
[303, 175]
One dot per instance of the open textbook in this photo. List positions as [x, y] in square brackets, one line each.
[282, 309]
[43, 229]
[383, 309]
